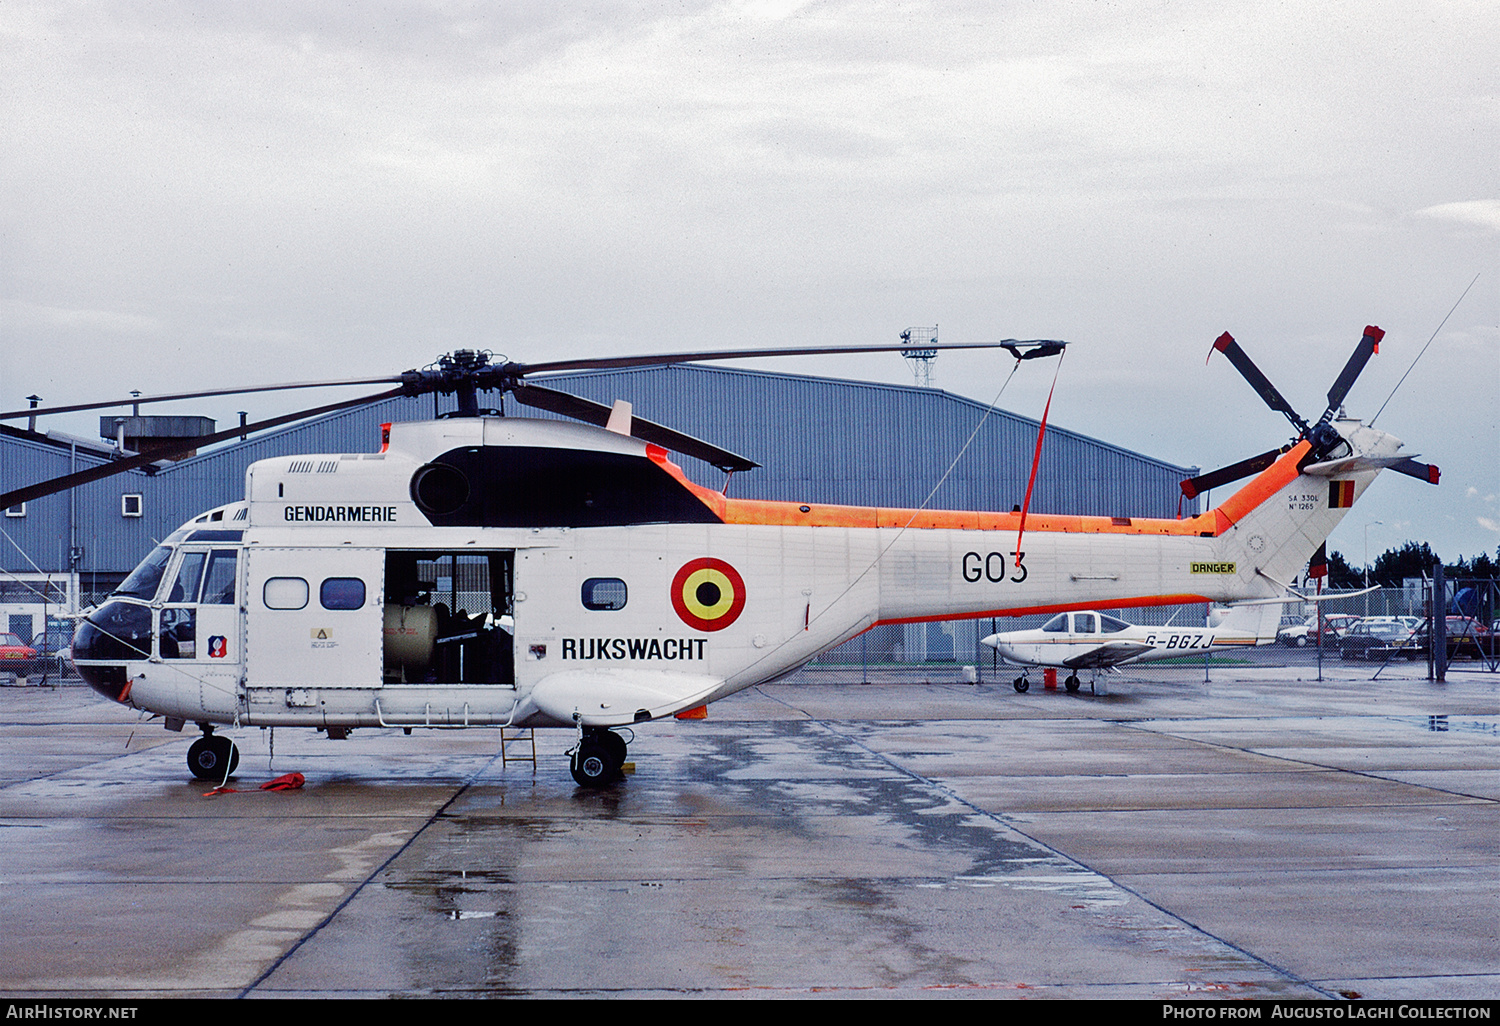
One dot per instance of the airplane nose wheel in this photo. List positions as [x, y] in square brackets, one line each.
[597, 760]
[1022, 685]
[209, 756]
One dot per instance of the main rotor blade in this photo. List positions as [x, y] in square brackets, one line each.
[659, 359]
[1226, 344]
[1196, 486]
[42, 411]
[166, 451]
[597, 414]
[1368, 346]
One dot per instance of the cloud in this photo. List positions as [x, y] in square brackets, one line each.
[1484, 213]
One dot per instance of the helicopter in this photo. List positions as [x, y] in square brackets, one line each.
[488, 571]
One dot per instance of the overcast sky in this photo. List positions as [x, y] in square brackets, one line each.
[200, 195]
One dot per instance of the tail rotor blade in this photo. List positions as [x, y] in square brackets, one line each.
[1421, 471]
[1226, 344]
[1368, 346]
[1196, 486]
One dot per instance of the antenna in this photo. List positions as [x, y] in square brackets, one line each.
[921, 359]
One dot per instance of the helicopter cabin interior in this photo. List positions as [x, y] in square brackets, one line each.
[448, 617]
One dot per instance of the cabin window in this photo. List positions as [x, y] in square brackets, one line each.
[1109, 625]
[1083, 623]
[342, 593]
[285, 593]
[607, 593]
[218, 582]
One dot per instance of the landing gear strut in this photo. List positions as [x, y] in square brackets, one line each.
[1021, 684]
[212, 756]
[597, 760]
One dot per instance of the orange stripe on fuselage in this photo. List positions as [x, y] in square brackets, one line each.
[791, 514]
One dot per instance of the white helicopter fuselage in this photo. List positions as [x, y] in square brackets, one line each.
[481, 571]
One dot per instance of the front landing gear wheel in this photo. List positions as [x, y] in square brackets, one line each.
[1022, 685]
[213, 757]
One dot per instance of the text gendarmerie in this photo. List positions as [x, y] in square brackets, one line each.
[340, 514]
[633, 648]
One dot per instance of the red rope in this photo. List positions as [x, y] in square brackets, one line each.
[1036, 459]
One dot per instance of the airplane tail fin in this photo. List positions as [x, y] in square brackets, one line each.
[1252, 622]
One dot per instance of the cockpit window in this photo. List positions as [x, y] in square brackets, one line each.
[146, 578]
[1057, 625]
[189, 573]
[1083, 623]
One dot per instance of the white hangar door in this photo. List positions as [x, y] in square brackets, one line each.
[313, 616]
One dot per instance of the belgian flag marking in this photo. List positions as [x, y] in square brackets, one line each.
[708, 594]
[1340, 494]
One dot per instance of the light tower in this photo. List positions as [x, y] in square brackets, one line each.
[920, 359]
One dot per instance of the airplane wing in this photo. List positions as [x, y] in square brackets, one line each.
[1111, 653]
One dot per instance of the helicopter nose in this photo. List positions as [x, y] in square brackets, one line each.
[115, 632]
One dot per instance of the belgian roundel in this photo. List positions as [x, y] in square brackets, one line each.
[708, 594]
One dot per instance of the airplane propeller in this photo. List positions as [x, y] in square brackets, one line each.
[1322, 435]
[465, 373]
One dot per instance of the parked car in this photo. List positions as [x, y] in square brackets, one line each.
[16, 656]
[1382, 640]
[1468, 637]
[1295, 631]
[55, 651]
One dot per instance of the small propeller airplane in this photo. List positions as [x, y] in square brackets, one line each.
[1091, 640]
[483, 570]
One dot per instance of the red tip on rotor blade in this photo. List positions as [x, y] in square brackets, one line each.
[1432, 473]
[1375, 334]
[1221, 343]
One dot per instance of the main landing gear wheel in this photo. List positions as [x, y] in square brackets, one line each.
[1022, 685]
[209, 756]
[598, 758]
[1071, 683]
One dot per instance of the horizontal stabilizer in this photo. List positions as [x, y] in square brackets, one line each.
[1351, 464]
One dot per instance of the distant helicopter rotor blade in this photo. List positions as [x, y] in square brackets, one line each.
[168, 450]
[590, 412]
[1226, 344]
[1196, 486]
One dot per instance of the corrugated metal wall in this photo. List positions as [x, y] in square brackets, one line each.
[819, 440]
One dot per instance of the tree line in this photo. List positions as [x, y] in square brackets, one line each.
[1409, 560]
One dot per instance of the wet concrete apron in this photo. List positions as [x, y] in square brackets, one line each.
[805, 841]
